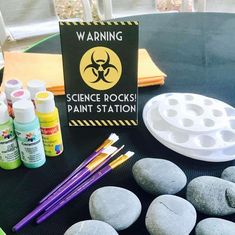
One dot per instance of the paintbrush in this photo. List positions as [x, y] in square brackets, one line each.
[64, 188]
[111, 140]
[88, 176]
[91, 181]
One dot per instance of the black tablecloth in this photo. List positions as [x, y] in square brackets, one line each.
[197, 51]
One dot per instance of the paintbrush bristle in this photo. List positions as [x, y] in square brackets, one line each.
[129, 154]
[109, 150]
[113, 137]
[118, 150]
[121, 159]
[111, 140]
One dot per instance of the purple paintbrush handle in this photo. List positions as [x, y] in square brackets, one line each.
[80, 176]
[80, 182]
[75, 193]
[82, 165]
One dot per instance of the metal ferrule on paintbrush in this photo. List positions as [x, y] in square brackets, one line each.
[103, 158]
[111, 140]
[115, 163]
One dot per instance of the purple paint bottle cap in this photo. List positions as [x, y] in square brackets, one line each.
[24, 111]
[20, 94]
[3, 97]
[4, 116]
[35, 86]
[44, 101]
[12, 85]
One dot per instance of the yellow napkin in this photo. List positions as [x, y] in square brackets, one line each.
[48, 68]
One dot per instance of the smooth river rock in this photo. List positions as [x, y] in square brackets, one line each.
[159, 176]
[229, 174]
[116, 206]
[91, 227]
[170, 215]
[215, 226]
[212, 196]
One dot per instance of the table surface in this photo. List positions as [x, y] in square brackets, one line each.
[197, 51]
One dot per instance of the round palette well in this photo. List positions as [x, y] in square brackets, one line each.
[196, 126]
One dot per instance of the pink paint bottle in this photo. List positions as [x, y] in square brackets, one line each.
[17, 95]
[20, 94]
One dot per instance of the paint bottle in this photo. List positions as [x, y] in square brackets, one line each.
[28, 134]
[49, 122]
[20, 94]
[35, 86]
[2, 232]
[3, 97]
[9, 153]
[10, 86]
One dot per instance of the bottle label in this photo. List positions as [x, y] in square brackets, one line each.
[52, 140]
[8, 145]
[30, 145]
[50, 130]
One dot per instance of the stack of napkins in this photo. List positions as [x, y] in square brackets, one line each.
[48, 68]
[30, 66]
[148, 73]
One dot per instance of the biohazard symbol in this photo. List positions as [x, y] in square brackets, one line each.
[100, 68]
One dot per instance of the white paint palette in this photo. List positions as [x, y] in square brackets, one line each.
[196, 126]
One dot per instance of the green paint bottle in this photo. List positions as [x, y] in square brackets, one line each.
[9, 153]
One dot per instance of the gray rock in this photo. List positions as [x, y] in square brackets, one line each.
[229, 174]
[215, 226]
[116, 206]
[212, 196]
[159, 176]
[91, 227]
[170, 215]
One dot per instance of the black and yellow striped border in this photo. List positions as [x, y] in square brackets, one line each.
[103, 123]
[99, 23]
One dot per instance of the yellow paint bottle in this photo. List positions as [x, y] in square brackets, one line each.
[48, 116]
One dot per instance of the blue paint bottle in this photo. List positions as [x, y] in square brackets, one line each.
[28, 133]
